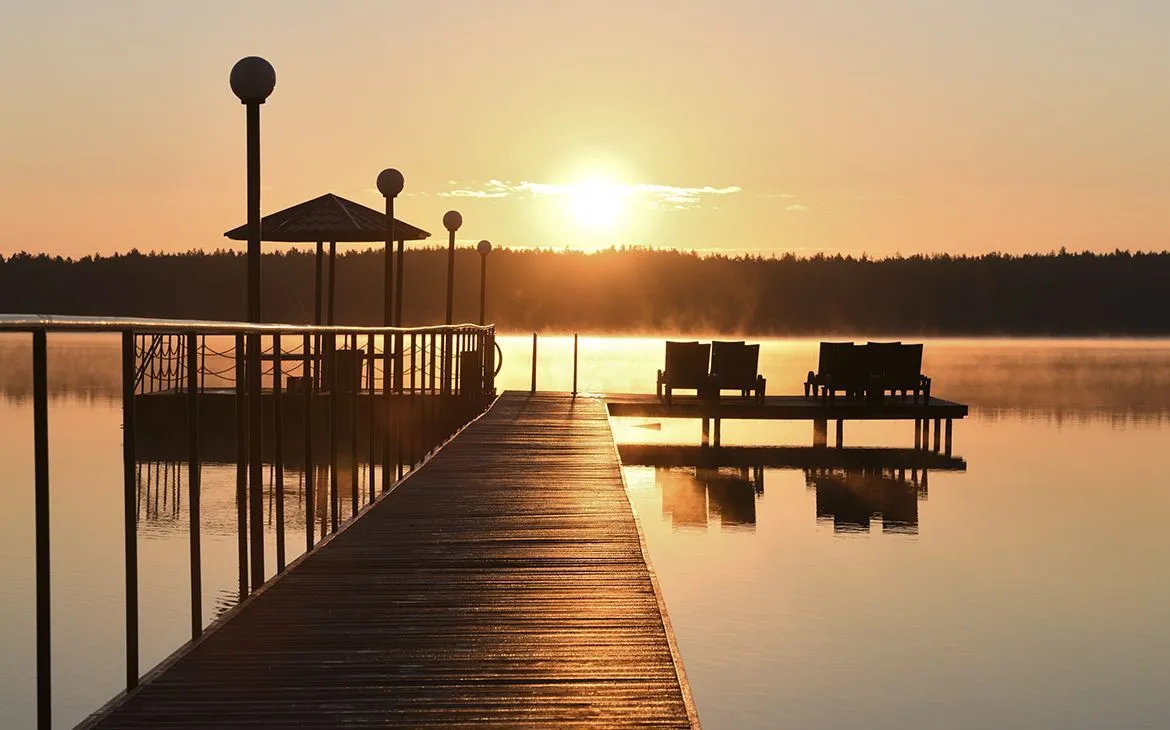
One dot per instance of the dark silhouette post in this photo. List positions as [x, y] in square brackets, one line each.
[398, 357]
[452, 220]
[317, 286]
[252, 80]
[390, 184]
[484, 248]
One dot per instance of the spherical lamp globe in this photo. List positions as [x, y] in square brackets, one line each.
[253, 79]
[390, 182]
[452, 220]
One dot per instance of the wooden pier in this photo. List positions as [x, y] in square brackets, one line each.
[504, 584]
[800, 408]
[783, 408]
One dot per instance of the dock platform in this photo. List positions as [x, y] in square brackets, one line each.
[783, 408]
[504, 583]
[799, 408]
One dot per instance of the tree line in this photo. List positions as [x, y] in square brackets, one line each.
[632, 290]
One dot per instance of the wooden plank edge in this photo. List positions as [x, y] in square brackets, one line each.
[675, 655]
[102, 713]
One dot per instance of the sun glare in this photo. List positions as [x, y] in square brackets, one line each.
[596, 204]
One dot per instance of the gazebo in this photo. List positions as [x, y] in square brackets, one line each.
[337, 220]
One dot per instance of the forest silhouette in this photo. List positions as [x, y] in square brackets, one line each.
[632, 290]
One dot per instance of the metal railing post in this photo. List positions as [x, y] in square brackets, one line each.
[333, 487]
[241, 467]
[389, 374]
[256, 456]
[41, 470]
[193, 485]
[310, 386]
[130, 508]
[414, 414]
[372, 358]
[533, 362]
[353, 423]
[278, 445]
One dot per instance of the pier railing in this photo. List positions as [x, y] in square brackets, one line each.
[390, 395]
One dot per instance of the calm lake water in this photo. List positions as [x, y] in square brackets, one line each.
[1031, 589]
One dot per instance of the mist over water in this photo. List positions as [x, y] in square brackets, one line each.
[1028, 590]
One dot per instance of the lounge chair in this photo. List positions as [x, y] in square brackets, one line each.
[734, 366]
[896, 368]
[839, 367]
[686, 368]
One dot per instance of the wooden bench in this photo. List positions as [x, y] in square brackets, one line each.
[839, 367]
[686, 368]
[868, 371]
[735, 366]
[896, 368]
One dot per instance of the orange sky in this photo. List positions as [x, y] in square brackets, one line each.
[900, 126]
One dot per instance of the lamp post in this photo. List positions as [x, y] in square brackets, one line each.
[451, 221]
[484, 248]
[252, 80]
[390, 184]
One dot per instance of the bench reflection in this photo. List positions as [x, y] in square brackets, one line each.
[854, 486]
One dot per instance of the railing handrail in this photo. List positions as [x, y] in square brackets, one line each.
[70, 323]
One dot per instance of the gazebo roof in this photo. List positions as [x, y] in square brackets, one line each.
[328, 218]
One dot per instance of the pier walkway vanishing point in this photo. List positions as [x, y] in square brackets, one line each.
[502, 584]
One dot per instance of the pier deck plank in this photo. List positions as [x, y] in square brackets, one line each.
[504, 584]
[781, 408]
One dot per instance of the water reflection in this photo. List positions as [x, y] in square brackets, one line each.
[853, 486]
[160, 492]
[852, 498]
[691, 496]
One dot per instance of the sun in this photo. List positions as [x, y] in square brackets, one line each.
[597, 204]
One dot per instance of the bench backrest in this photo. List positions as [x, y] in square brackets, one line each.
[907, 365]
[894, 361]
[686, 364]
[838, 359]
[735, 363]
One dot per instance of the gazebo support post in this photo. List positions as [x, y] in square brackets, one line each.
[332, 279]
[317, 314]
[398, 365]
[398, 285]
[331, 340]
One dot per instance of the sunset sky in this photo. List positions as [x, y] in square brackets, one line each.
[739, 125]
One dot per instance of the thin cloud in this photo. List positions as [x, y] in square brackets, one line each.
[473, 194]
[671, 197]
